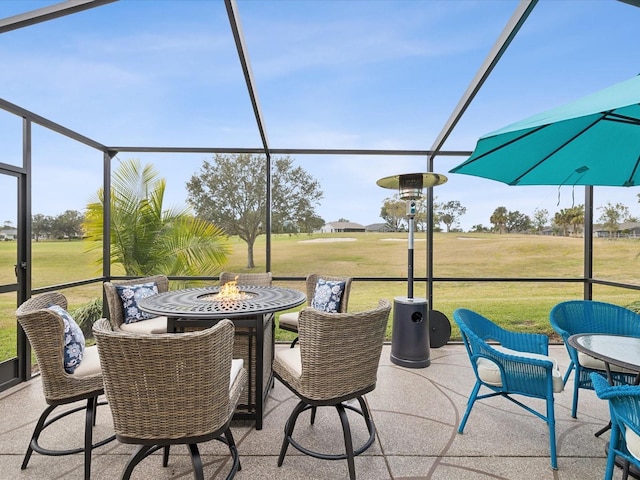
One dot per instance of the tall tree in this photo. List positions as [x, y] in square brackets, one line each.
[450, 212]
[612, 215]
[68, 224]
[422, 217]
[540, 218]
[499, 219]
[231, 191]
[394, 212]
[517, 222]
[41, 225]
[570, 218]
[146, 239]
[576, 219]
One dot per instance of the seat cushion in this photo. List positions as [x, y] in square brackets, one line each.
[489, 372]
[236, 366]
[328, 295]
[588, 361]
[90, 363]
[73, 340]
[633, 442]
[291, 358]
[131, 295]
[152, 325]
[289, 320]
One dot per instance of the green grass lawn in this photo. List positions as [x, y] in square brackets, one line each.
[523, 305]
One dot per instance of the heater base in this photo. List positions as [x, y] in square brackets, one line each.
[410, 333]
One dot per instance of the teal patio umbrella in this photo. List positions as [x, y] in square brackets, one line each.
[592, 141]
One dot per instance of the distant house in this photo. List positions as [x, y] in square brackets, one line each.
[378, 227]
[8, 234]
[341, 227]
[625, 229]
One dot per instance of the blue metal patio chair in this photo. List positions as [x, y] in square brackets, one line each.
[624, 408]
[518, 364]
[588, 316]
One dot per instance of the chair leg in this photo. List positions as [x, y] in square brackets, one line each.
[470, 402]
[198, 472]
[88, 435]
[140, 454]
[551, 421]
[348, 442]
[313, 414]
[36, 435]
[288, 430]
[235, 456]
[165, 455]
[44, 421]
[293, 343]
[568, 373]
[576, 388]
[611, 456]
[94, 405]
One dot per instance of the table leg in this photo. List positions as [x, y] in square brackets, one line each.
[171, 325]
[259, 370]
[607, 427]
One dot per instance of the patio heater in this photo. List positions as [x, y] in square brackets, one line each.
[410, 332]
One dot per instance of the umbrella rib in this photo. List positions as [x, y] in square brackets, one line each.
[630, 182]
[616, 117]
[499, 147]
[561, 146]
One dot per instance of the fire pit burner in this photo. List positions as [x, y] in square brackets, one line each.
[215, 297]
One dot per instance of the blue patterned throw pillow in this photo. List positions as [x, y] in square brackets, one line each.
[73, 339]
[131, 295]
[328, 296]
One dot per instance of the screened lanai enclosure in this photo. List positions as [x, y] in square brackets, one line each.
[350, 91]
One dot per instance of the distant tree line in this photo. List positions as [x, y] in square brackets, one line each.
[67, 225]
[567, 221]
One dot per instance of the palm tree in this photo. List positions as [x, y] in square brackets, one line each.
[145, 238]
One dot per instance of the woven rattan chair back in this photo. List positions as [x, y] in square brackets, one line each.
[289, 321]
[166, 389]
[115, 312]
[340, 352]
[312, 281]
[254, 279]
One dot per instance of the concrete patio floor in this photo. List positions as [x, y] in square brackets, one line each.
[416, 412]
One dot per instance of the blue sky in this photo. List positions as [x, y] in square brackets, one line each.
[329, 74]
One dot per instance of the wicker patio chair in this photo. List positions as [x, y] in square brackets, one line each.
[289, 321]
[517, 365]
[624, 408]
[116, 312]
[256, 279]
[46, 333]
[171, 389]
[588, 316]
[336, 361]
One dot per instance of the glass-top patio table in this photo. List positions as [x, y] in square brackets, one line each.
[252, 315]
[619, 350]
